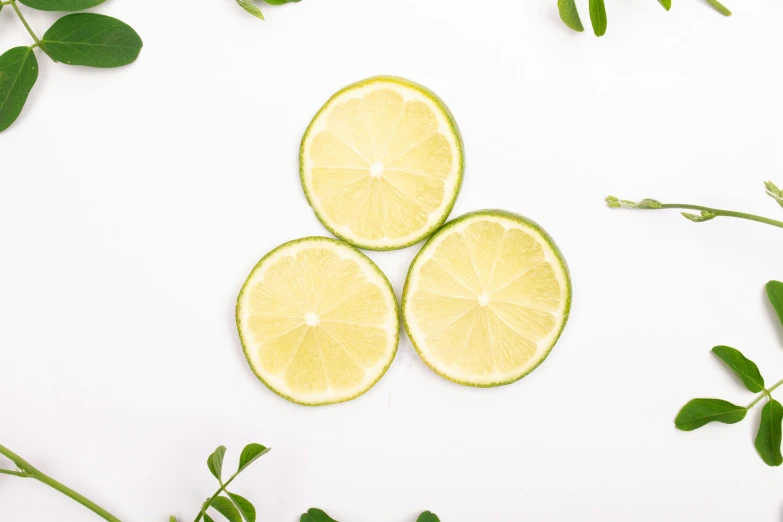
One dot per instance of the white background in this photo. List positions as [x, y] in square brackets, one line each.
[135, 201]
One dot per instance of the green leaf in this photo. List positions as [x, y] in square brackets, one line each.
[226, 508]
[247, 509]
[769, 436]
[93, 40]
[215, 462]
[598, 17]
[667, 4]
[699, 218]
[428, 516]
[61, 5]
[251, 8]
[207, 518]
[250, 454]
[570, 15]
[18, 72]
[742, 366]
[699, 412]
[719, 7]
[775, 294]
[316, 515]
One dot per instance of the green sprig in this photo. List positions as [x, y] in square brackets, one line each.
[699, 412]
[570, 15]
[704, 213]
[231, 506]
[76, 39]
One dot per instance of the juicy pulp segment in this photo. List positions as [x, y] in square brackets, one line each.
[382, 166]
[485, 302]
[315, 327]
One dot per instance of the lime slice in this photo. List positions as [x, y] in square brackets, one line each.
[318, 321]
[486, 298]
[381, 163]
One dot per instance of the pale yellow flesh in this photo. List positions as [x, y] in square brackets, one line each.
[381, 164]
[486, 301]
[318, 323]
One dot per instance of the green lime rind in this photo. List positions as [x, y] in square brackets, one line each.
[372, 265]
[558, 254]
[460, 173]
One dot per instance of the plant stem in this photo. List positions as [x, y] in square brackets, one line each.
[29, 29]
[726, 213]
[767, 393]
[213, 497]
[29, 471]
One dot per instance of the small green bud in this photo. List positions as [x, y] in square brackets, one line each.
[699, 218]
[774, 192]
[614, 202]
[649, 203]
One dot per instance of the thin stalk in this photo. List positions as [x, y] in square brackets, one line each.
[766, 393]
[29, 29]
[705, 213]
[27, 470]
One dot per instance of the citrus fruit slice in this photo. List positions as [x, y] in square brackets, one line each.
[381, 163]
[318, 321]
[486, 298]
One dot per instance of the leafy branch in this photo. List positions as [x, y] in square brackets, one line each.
[254, 10]
[705, 213]
[233, 507]
[699, 412]
[86, 39]
[569, 13]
